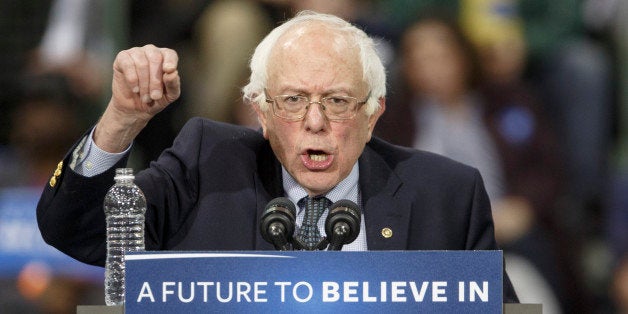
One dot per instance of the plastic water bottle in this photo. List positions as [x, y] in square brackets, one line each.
[125, 206]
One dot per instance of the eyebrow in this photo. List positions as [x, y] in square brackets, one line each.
[301, 91]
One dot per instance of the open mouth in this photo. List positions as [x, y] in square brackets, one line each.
[316, 159]
[317, 155]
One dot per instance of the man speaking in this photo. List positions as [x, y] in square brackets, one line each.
[318, 88]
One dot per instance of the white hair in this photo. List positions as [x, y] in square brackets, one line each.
[373, 72]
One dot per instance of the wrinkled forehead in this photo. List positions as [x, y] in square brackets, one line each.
[314, 35]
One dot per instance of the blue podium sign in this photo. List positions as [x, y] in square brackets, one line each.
[314, 282]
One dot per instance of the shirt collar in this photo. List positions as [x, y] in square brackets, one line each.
[346, 189]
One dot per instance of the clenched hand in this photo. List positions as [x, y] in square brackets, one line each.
[145, 81]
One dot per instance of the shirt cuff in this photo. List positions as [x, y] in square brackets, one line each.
[89, 160]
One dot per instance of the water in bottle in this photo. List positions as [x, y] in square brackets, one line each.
[125, 206]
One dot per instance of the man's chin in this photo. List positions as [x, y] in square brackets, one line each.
[316, 183]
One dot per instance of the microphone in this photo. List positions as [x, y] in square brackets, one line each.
[277, 223]
[342, 225]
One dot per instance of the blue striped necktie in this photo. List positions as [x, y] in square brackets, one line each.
[314, 208]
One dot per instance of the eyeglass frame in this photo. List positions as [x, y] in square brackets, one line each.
[271, 99]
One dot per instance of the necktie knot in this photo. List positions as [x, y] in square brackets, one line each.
[314, 207]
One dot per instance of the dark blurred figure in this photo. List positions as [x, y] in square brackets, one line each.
[444, 105]
[573, 69]
[43, 124]
[21, 27]
[39, 111]
[617, 199]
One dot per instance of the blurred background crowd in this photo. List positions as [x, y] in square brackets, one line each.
[534, 93]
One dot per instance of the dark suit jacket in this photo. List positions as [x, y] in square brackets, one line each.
[208, 190]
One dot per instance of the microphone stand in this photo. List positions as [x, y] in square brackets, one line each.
[341, 230]
[277, 233]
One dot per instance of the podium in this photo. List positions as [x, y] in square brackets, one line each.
[315, 282]
[509, 308]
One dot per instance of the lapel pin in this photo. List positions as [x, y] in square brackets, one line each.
[387, 232]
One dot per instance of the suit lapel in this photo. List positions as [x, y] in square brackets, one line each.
[386, 214]
[268, 185]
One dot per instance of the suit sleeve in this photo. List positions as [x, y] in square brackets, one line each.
[70, 213]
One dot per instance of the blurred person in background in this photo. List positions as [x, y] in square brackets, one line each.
[222, 40]
[515, 108]
[35, 120]
[442, 108]
[81, 38]
[570, 66]
[21, 27]
[616, 215]
[43, 124]
[76, 44]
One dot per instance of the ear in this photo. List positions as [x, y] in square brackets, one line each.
[261, 117]
[375, 116]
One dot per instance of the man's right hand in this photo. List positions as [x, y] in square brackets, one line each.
[145, 81]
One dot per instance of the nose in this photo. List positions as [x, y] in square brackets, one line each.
[315, 119]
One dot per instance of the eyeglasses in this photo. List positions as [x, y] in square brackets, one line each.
[295, 107]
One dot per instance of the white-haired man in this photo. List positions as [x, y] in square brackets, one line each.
[318, 89]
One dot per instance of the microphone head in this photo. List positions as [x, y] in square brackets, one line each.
[283, 202]
[344, 211]
[280, 210]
